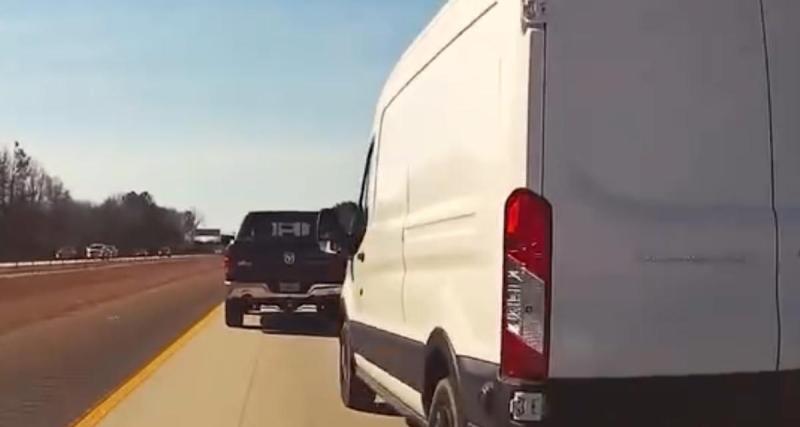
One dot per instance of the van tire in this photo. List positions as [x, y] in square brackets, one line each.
[355, 393]
[234, 315]
[444, 411]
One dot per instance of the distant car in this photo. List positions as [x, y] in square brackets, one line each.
[139, 252]
[165, 252]
[66, 252]
[98, 251]
[113, 251]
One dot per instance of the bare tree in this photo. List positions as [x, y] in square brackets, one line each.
[5, 172]
[37, 214]
[192, 220]
[20, 173]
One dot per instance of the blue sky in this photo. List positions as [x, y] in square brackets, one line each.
[225, 106]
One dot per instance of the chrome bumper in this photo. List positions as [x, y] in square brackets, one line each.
[262, 291]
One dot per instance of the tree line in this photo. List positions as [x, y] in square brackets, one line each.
[38, 215]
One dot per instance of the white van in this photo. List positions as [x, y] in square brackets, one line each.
[583, 213]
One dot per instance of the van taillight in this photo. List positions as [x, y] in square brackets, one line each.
[526, 287]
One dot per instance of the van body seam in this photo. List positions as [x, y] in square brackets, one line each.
[775, 218]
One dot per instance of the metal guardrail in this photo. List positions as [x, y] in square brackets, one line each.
[56, 262]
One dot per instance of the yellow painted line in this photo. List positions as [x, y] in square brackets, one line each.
[96, 414]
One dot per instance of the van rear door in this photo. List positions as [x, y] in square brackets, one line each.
[783, 43]
[658, 167]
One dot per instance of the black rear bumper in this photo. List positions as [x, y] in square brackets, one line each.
[303, 274]
[254, 295]
[737, 400]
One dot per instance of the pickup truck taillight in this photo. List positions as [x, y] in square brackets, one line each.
[228, 262]
[526, 287]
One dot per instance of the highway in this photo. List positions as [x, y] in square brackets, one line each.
[67, 338]
[110, 347]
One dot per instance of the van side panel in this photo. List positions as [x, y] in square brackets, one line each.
[783, 39]
[657, 165]
[378, 269]
[464, 122]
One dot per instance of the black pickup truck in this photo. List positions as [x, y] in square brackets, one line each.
[276, 261]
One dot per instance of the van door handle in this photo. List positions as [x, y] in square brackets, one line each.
[360, 256]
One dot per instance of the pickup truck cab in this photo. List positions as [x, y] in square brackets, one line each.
[583, 213]
[276, 261]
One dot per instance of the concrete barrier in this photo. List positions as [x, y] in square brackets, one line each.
[56, 262]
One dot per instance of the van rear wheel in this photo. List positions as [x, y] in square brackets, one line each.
[234, 314]
[444, 410]
[355, 393]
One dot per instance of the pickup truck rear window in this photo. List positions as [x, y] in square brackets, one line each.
[279, 226]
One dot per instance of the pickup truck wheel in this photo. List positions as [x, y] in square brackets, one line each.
[355, 393]
[444, 410]
[234, 315]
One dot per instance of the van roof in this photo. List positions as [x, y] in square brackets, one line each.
[424, 47]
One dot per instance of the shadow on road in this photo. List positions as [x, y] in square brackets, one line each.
[309, 325]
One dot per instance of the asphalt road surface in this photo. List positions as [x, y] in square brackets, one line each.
[69, 338]
[282, 375]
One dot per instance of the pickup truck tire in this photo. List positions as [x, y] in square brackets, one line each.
[355, 393]
[234, 315]
[444, 411]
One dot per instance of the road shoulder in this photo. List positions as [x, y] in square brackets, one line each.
[243, 377]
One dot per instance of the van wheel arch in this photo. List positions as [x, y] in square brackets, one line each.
[440, 362]
[342, 318]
